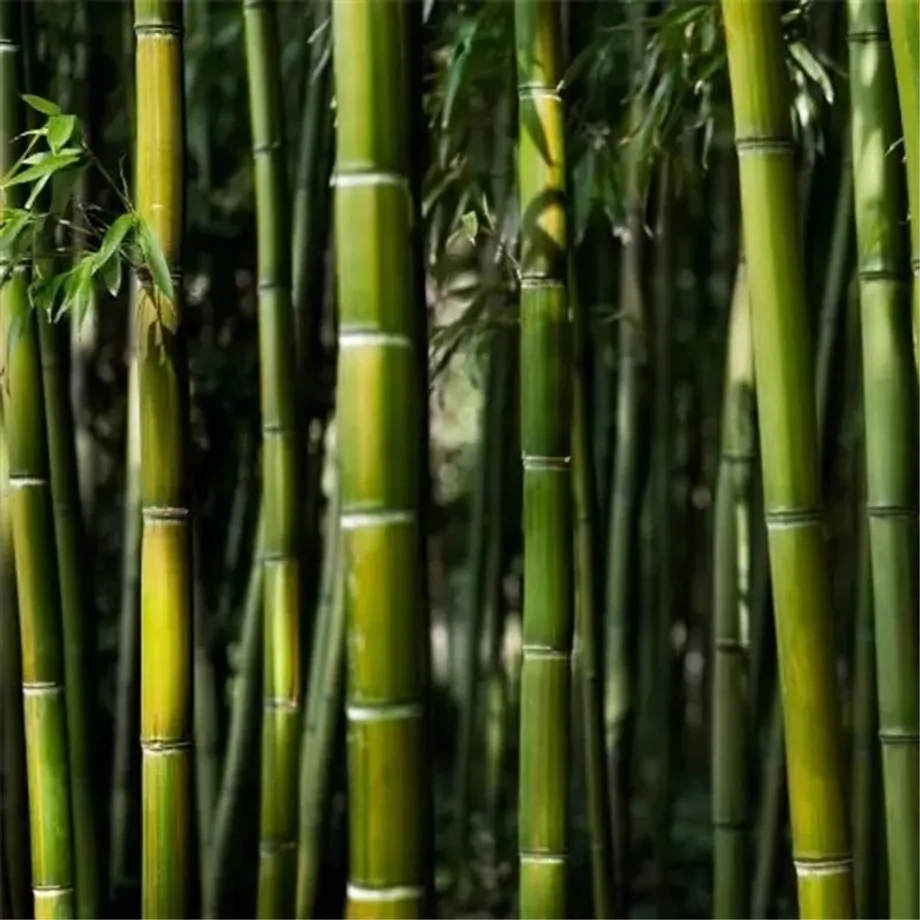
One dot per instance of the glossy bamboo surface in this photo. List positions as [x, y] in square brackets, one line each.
[789, 449]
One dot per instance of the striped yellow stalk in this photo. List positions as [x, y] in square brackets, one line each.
[30, 505]
[166, 592]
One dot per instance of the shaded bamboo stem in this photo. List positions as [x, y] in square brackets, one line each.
[588, 621]
[244, 720]
[324, 699]
[730, 699]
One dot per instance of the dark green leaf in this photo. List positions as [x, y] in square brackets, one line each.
[45, 106]
[111, 276]
[13, 224]
[156, 261]
[44, 293]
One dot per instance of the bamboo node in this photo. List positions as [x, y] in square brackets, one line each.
[158, 29]
[898, 736]
[271, 847]
[42, 688]
[789, 518]
[539, 462]
[882, 274]
[867, 36]
[356, 520]
[267, 147]
[895, 512]
[766, 145]
[527, 91]
[28, 482]
[164, 514]
[541, 283]
[387, 712]
[370, 177]
[391, 893]
[161, 747]
[810, 868]
[373, 338]
[544, 652]
[546, 859]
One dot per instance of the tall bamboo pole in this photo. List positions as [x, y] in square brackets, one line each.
[280, 495]
[379, 450]
[904, 27]
[31, 512]
[789, 447]
[546, 405]
[15, 806]
[890, 394]
[588, 596]
[324, 701]
[731, 712]
[166, 589]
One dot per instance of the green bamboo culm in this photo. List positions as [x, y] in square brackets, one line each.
[789, 448]
[30, 504]
[324, 701]
[731, 714]
[890, 394]
[379, 473]
[904, 27]
[14, 859]
[588, 595]
[546, 406]
[281, 643]
[166, 589]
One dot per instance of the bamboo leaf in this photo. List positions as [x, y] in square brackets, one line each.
[13, 225]
[44, 293]
[47, 167]
[62, 187]
[111, 275]
[60, 129]
[113, 239]
[37, 189]
[813, 69]
[156, 261]
[45, 106]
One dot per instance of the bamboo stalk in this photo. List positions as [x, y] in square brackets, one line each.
[327, 671]
[31, 513]
[890, 396]
[792, 486]
[546, 405]
[588, 622]
[731, 614]
[15, 808]
[379, 444]
[904, 26]
[280, 464]
[624, 501]
[166, 584]
[244, 718]
[124, 761]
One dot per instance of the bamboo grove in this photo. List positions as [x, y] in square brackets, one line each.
[459, 459]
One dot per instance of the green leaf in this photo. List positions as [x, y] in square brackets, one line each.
[813, 69]
[44, 293]
[60, 130]
[113, 239]
[156, 261]
[45, 106]
[37, 189]
[47, 167]
[13, 225]
[111, 276]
